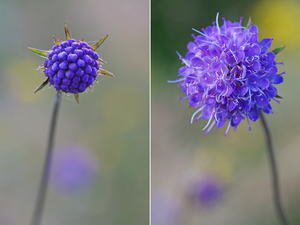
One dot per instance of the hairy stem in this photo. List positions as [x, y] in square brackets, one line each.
[275, 179]
[39, 206]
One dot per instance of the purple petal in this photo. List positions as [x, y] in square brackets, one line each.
[262, 100]
[197, 62]
[276, 79]
[265, 44]
[240, 40]
[192, 47]
[254, 50]
[253, 114]
[236, 119]
[206, 113]
[254, 29]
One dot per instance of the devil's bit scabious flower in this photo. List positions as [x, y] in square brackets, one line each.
[229, 75]
[71, 66]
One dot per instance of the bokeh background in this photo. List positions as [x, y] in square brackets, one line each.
[101, 159]
[211, 179]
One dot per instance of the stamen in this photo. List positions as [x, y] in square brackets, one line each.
[211, 126]
[217, 17]
[199, 110]
[227, 128]
[248, 123]
[203, 34]
[176, 81]
[184, 97]
[211, 116]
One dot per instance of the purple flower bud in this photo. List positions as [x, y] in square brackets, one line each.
[64, 87]
[90, 81]
[62, 56]
[51, 73]
[45, 63]
[56, 80]
[70, 74]
[73, 67]
[96, 56]
[88, 69]
[55, 47]
[50, 63]
[75, 45]
[74, 85]
[85, 51]
[71, 41]
[72, 58]
[76, 80]
[78, 52]
[83, 44]
[69, 58]
[66, 81]
[61, 74]
[57, 87]
[94, 72]
[79, 72]
[54, 58]
[55, 67]
[85, 78]
[63, 65]
[57, 50]
[69, 50]
[65, 44]
[82, 87]
[51, 53]
[72, 90]
[80, 63]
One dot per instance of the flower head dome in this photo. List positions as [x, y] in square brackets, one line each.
[229, 75]
[71, 66]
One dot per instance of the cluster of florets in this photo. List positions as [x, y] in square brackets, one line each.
[229, 74]
[71, 66]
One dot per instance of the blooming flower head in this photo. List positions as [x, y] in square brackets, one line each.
[229, 75]
[207, 191]
[71, 66]
[75, 169]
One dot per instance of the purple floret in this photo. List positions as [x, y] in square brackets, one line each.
[229, 75]
[71, 66]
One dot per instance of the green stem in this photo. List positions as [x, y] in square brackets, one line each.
[275, 181]
[39, 206]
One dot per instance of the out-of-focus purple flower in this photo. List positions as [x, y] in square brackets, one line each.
[229, 75]
[165, 210]
[71, 66]
[75, 168]
[207, 191]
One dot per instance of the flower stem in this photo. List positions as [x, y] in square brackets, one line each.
[275, 182]
[39, 206]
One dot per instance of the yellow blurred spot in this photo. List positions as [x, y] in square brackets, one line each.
[215, 162]
[24, 79]
[109, 147]
[125, 107]
[280, 20]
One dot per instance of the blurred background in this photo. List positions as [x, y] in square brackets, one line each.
[211, 179]
[101, 158]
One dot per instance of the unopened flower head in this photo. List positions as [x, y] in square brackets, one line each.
[229, 75]
[71, 66]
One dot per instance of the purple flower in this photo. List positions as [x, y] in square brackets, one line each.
[229, 75]
[75, 169]
[207, 191]
[67, 58]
